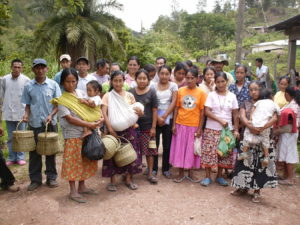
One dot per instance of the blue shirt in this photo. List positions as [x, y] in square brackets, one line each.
[57, 79]
[38, 96]
[241, 95]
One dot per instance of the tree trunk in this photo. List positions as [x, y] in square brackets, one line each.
[239, 31]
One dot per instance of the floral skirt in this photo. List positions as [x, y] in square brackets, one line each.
[209, 156]
[76, 167]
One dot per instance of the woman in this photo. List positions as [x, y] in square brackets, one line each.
[133, 65]
[166, 92]
[249, 173]
[187, 124]
[240, 87]
[147, 123]
[109, 167]
[221, 108]
[179, 74]
[75, 167]
[208, 85]
[279, 97]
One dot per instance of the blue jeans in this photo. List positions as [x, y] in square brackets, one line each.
[11, 126]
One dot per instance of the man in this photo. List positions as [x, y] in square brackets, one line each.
[159, 62]
[262, 71]
[82, 65]
[102, 71]
[114, 67]
[65, 62]
[219, 64]
[39, 111]
[12, 109]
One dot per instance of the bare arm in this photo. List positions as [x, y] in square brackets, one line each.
[27, 113]
[78, 122]
[209, 113]
[199, 130]
[174, 120]
[154, 121]
[247, 123]
[106, 120]
[50, 116]
[171, 106]
[235, 113]
[88, 102]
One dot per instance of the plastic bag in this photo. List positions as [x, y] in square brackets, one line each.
[227, 142]
[198, 146]
[93, 148]
[121, 115]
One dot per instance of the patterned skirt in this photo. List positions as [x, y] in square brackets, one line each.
[110, 168]
[75, 167]
[209, 156]
[144, 138]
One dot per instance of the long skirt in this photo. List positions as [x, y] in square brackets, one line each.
[76, 167]
[209, 156]
[110, 168]
[144, 138]
[182, 148]
[250, 174]
[287, 148]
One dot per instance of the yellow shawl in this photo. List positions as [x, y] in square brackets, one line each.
[70, 101]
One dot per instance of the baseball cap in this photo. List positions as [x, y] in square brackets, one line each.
[39, 62]
[82, 58]
[65, 56]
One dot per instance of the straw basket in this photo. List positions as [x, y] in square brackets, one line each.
[23, 140]
[111, 145]
[125, 154]
[47, 143]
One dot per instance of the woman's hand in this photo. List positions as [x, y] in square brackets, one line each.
[174, 129]
[198, 132]
[113, 133]
[138, 111]
[223, 123]
[160, 121]
[236, 134]
[94, 125]
[153, 132]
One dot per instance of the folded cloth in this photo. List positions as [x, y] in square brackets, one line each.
[284, 119]
[71, 101]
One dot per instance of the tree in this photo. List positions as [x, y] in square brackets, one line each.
[78, 27]
[4, 18]
[201, 5]
[218, 7]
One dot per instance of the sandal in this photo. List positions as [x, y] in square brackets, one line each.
[78, 199]
[152, 180]
[167, 174]
[89, 192]
[179, 179]
[131, 186]
[111, 187]
[255, 198]
[286, 182]
[192, 179]
[205, 182]
[222, 181]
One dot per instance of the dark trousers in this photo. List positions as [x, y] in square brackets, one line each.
[7, 178]
[166, 132]
[35, 160]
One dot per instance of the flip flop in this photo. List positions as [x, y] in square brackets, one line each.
[77, 199]
[90, 192]
[111, 187]
[131, 186]
[286, 182]
[192, 180]
[152, 180]
[222, 181]
[179, 180]
[205, 182]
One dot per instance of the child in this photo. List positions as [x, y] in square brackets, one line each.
[262, 112]
[93, 100]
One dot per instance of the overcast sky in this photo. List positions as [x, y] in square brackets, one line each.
[146, 12]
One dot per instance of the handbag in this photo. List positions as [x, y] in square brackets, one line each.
[93, 148]
[198, 146]
[227, 142]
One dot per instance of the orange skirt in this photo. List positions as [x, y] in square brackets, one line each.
[75, 167]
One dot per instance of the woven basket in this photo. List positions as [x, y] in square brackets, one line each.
[125, 154]
[111, 145]
[23, 140]
[47, 143]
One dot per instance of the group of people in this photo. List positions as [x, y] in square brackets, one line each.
[180, 105]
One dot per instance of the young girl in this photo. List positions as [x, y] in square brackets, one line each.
[288, 150]
[187, 123]
[147, 123]
[179, 74]
[93, 100]
[262, 112]
[208, 85]
[221, 107]
[279, 97]
[75, 167]
[166, 92]
[133, 66]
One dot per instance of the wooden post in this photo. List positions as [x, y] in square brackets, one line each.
[239, 31]
[292, 54]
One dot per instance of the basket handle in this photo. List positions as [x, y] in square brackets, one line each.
[124, 139]
[46, 132]
[17, 128]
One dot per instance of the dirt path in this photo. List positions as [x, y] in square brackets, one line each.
[167, 203]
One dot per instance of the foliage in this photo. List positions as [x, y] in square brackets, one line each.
[4, 18]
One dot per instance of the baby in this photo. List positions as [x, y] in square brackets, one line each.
[262, 111]
[93, 100]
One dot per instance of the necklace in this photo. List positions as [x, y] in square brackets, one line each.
[220, 102]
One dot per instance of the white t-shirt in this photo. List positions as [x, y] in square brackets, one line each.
[222, 106]
[97, 100]
[83, 81]
[264, 110]
[260, 71]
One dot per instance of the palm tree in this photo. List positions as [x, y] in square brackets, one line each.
[77, 27]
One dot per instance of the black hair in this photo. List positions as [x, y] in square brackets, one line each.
[113, 75]
[150, 68]
[116, 64]
[257, 82]
[208, 61]
[195, 67]
[16, 61]
[135, 58]
[209, 68]
[260, 60]
[194, 72]
[95, 85]
[297, 82]
[294, 93]
[161, 57]
[82, 59]
[165, 67]
[142, 71]
[221, 74]
[241, 65]
[66, 72]
[265, 93]
[189, 63]
[284, 77]
[180, 66]
[101, 63]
